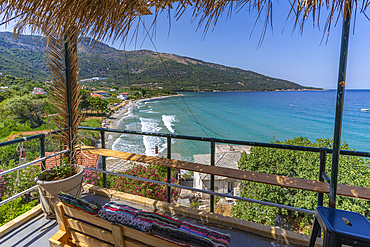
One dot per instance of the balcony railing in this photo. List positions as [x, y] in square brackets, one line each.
[319, 186]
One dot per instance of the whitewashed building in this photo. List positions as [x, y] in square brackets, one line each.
[123, 96]
[38, 91]
[226, 156]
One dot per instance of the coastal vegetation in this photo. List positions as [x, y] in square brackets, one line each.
[138, 187]
[352, 171]
[22, 112]
[142, 68]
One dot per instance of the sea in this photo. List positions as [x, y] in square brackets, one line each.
[246, 116]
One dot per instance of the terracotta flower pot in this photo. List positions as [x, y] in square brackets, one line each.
[49, 189]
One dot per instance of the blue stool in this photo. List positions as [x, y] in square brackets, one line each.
[340, 227]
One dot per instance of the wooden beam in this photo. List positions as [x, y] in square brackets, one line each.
[82, 239]
[62, 222]
[118, 237]
[91, 230]
[86, 217]
[287, 182]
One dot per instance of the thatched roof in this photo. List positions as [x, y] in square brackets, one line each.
[112, 19]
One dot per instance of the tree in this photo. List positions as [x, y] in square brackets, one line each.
[97, 103]
[25, 108]
[299, 164]
[102, 105]
[84, 94]
[93, 102]
[85, 104]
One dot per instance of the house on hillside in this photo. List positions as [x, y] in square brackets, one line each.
[103, 93]
[38, 91]
[98, 95]
[225, 156]
[123, 96]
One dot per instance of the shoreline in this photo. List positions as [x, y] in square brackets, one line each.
[117, 116]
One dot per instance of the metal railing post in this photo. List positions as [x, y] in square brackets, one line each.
[103, 160]
[320, 197]
[339, 104]
[168, 170]
[42, 152]
[212, 197]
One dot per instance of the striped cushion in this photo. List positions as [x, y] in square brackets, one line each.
[220, 239]
[78, 203]
[121, 209]
[180, 237]
[160, 219]
[124, 215]
[191, 228]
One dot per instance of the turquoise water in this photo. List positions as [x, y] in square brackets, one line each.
[248, 116]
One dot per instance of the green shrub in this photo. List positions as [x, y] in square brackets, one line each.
[352, 171]
[194, 205]
[17, 207]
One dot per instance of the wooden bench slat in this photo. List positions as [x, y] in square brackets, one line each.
[149, 239]
[89, 241]
[59, 212]
[86, 217]
[133, 244]
[283, 181]
[118, 236]
[91, 230]
[59, 239]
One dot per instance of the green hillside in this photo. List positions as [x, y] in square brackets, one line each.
[24, 58]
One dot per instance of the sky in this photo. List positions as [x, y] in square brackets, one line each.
[306, 59]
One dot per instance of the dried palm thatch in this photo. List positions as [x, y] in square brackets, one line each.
[63, 65]
[112, 19]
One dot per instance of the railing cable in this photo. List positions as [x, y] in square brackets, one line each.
[32, 162]
[206, 191]
[171, 78]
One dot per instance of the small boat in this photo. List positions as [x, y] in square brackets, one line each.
[363, 109]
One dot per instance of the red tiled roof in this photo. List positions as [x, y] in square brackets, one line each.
[97, 95]
[85, 159]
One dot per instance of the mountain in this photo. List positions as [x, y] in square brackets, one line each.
[24, 57]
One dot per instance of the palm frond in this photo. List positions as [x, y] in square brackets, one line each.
[67, 114]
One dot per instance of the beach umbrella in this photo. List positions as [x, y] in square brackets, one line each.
[113, 19]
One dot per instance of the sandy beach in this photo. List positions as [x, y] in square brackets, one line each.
[116, 118]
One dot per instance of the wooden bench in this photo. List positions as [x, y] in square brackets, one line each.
[77, 228]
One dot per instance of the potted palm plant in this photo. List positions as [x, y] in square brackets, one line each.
[63, 95]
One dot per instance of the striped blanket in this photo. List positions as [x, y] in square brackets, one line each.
[124, 215]
[78, 203]
[220, 239]
[180, 237]
[160, 219]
